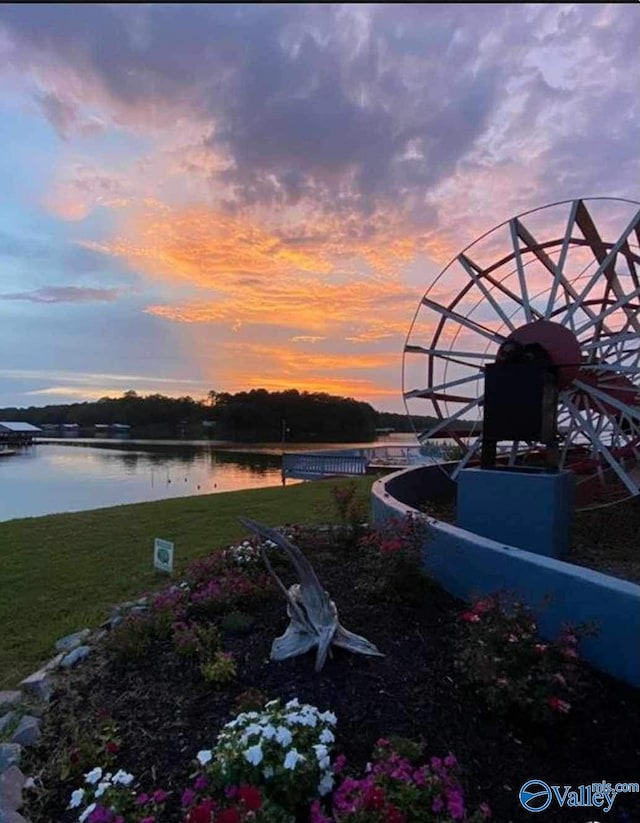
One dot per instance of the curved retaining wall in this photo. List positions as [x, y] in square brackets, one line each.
[468, 565]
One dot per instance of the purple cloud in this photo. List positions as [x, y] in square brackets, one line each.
[65, 294]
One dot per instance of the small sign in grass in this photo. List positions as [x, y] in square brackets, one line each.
[163, 555]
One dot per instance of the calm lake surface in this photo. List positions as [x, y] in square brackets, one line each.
[78, 475]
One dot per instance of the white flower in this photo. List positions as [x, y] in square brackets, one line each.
[254, 755]
[268, 772]
[76, 799]
[86, 812]
[329, 717]
[321, 751]
[326, 784]
[94, 775]
[326, 736]
[292, 704]
[204, 756]
[122, 778]
[269, 732]
[253, 728]
[102, 788]
[292, 759]
[283, 736]
[271, 704]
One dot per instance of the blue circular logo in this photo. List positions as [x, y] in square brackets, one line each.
[535, 796]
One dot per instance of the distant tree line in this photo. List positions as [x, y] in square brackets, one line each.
[252, 416]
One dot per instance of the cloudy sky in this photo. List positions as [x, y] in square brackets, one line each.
[230, 197]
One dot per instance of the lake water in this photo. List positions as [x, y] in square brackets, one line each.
[78, 475]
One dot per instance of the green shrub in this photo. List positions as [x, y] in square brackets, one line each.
[220, 670]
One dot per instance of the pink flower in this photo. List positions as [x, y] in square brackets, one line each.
[142, 799]
[485, 811]
[148, 820]
[200, 783]
[540, 648]
[502, 682]
[560, 678]
[437, 805]
[316, 814]
[188, 797]
[455, 804]
[570, 653]
[512, 638]
[450, 761]
[470, 617]
[160, 796]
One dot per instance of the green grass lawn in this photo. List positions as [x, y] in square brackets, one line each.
[62, 572]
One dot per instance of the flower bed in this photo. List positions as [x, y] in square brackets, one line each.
[187, 720]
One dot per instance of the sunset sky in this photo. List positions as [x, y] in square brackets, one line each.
[233, 197]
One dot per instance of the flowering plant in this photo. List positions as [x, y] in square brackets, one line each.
[109, 798]
[247, 554]
[394, 550]
[395, 791]
[285, 749]
[501, 655]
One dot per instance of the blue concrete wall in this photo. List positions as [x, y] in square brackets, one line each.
[530, 510]
[468, 566]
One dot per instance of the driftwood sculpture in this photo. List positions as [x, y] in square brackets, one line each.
[313, 616]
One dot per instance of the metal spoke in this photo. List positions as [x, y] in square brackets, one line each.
[619, 303]
[448, 353]
[586, 426]
[610, 258]
[428, 433]
[436, 389]
[630, 411]
[468, 266]
[467, 457]
[559, 269]
[513, 226]
[463, 321]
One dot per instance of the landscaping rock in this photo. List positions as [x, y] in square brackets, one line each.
[38, 685]
[5, 721]
[11, 783]
[9, 700]
[9, 755]
[71, 641]
[76, 656]
[27, 732]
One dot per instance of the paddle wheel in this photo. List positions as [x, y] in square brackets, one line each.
[558, 285]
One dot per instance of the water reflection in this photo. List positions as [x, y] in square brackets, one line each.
[49, 478]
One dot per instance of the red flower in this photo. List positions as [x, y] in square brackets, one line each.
[201, 813]
[251, 797]
[112, 747]
[393, 815]
[559, 705]
[374, 798]
[229, 816]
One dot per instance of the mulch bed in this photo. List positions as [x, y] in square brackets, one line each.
[166, 713]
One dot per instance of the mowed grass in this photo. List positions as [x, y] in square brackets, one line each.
[63, 572]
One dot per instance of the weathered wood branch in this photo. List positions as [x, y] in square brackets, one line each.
[313, 616]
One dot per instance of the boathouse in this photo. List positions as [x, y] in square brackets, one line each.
[17, 433]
